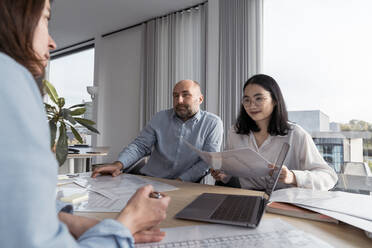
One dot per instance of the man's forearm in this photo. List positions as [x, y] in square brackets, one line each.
[194, 173]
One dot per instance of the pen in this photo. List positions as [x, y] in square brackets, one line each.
[156, 195]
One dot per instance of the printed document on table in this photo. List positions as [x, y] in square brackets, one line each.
[243, 162]
[351, 220]
[110, 194]
[270, 233]
[356, 205]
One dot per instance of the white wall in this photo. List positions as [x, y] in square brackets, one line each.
[356, 150]
[118, 78]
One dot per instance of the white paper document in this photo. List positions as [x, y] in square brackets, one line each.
[354, 209]
[356, 205]
[109, 194]
[243, 162]
[351, 220]
[270, 233]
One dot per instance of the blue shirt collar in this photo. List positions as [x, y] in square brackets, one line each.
[195, 118]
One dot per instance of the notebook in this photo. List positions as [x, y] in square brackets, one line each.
[241, 210]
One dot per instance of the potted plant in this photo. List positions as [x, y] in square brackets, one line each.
[64, 118]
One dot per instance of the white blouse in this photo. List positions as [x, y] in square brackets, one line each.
[303, 159]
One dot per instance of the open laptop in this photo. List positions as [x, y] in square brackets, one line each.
[241, 210]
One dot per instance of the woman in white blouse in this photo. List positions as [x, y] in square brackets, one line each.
[263, 126]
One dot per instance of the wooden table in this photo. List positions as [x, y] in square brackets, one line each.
[338, 235]
[86, 153]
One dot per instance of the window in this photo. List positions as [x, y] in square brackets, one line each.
[320, 53]
[70, 75]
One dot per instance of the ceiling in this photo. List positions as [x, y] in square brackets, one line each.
[74, 21]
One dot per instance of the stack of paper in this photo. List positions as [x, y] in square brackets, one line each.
[354, 209]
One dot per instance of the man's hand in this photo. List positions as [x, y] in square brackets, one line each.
[286, 175]
[218, 175]
[113, 169]
[77, 225]
[149, 236]
[142, 212]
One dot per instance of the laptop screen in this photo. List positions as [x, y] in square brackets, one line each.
[273, 180]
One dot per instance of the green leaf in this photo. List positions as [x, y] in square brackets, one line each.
[86, 123]
[61, 102]
[76, 134]
[66, 114]
[52, 93]
[77, 105]
[78, 111]
[53, 131]
[62, 147]
[48, 106]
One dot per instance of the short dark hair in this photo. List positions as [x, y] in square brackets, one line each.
[18, 21]
[278, 124]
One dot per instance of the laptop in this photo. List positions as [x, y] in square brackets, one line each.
[241, 210]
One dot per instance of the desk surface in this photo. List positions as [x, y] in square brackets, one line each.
[88, 152]
[338, 235]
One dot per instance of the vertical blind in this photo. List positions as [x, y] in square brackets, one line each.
[174, 49]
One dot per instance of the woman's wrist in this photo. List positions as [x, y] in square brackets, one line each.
[294, 181]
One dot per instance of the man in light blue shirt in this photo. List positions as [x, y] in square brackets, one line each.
[164, 135]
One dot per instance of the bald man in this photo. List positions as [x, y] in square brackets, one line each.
[162, 138]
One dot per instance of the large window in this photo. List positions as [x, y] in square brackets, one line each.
[320, 53]
[70, 75]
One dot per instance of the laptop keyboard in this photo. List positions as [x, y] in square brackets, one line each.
[235, 208]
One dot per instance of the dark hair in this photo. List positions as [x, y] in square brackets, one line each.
[278, 124]
[18, 21]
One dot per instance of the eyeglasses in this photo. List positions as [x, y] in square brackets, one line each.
[258, 101]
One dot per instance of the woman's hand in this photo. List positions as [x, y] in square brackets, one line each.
[286, 175]
[218, 175]
[142, 212]
[149, 236]
[77, 225]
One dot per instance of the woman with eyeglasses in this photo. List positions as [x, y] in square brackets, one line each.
[263, 126]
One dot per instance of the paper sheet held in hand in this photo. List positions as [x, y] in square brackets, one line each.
[243, 162]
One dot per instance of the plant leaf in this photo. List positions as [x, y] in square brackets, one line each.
[49, 108]
[76, 134]
[86, 123]
[52, 93]
[61, 102]
[77, 105]
[66, 114]
[53, 131]
[62, 147]
[78, 111]
[83, 121]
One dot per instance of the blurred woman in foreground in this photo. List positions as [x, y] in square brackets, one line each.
[28, 178]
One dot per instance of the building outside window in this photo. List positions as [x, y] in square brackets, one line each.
[321, 61]
[332, 150]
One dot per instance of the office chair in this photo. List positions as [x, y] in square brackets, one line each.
[356, 168]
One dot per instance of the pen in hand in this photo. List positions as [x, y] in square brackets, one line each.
[156, 195]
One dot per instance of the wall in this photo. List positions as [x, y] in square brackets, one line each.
[310, 120]
[356, 150]
[119, 79]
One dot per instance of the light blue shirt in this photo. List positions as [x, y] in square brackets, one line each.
[170, 156]
[28, 175]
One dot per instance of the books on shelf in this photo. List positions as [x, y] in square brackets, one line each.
[296, 211]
